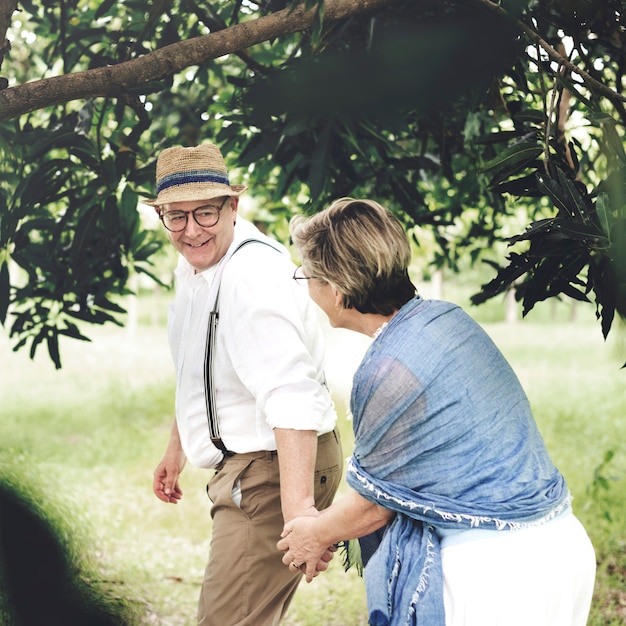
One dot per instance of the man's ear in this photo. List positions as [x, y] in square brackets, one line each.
[234, 205]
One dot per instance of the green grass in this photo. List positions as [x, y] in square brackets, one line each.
[88, 437]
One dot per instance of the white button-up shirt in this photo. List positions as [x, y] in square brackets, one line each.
[269, 351]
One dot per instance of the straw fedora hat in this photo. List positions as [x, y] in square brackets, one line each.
[197, 173]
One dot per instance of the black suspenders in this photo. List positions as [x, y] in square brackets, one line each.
[209, 388]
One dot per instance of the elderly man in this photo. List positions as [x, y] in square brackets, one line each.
[251, 397]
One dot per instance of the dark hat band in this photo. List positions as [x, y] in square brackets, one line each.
[192, 176]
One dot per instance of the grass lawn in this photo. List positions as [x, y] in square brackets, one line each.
[86, 439]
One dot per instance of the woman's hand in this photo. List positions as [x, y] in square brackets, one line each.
[303, 550]
[308, 541]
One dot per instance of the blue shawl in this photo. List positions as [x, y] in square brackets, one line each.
[444, 436]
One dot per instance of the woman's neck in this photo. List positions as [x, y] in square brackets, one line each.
[370, 324]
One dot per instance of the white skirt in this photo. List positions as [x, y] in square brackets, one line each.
[540, 576]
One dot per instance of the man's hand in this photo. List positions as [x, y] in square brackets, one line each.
[165, 482]
[321, 566]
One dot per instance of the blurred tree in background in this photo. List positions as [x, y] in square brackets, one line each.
[464, 117]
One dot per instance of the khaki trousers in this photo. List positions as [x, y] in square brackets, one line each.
[245, 582]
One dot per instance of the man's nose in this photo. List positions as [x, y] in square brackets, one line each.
[192, 227]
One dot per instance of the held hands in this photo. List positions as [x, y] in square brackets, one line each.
[303, 550]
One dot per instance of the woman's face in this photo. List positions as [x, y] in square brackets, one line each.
[326, 297]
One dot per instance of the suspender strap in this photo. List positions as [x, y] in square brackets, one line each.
[209, 387]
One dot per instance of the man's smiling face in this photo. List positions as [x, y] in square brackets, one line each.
[202, 246]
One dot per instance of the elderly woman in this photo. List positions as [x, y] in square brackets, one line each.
[475, 522]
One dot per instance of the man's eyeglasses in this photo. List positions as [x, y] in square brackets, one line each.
[298, 275]
[206, 216]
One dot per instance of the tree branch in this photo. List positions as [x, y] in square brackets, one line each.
[118, 79]
[214, 24]
[591, 82]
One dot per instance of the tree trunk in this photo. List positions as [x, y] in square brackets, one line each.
[7, 8]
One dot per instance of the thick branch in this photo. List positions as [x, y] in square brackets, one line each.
[117, 79]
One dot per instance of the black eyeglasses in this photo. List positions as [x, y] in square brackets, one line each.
[298, 274]
[206, 216]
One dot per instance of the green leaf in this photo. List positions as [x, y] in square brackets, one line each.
[572, 292]
[53, 347]
[603, 212]
[37, 339]
[609, 128]
[523, 186]
[502, 136]
[583, 232]
[575, 201]
[566, 197]
[530, 115]
[83, 235]
[143, 270]
[517, 156]
[144, 252]
[92, 316]
[71, 330]
[599, 117]
[104, 8]
[104, 303]
[5, 291]
[572, 87]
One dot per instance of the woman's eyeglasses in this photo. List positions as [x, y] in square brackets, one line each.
[299, 275]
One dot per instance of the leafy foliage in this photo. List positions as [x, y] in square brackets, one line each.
[72, 230]
[458, 115]
[580, 250]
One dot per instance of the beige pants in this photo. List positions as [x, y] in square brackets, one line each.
[245, 582]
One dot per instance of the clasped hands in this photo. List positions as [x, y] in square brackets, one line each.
[303, 548]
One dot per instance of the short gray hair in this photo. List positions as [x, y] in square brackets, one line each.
[360, 248]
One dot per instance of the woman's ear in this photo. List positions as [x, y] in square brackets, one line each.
[338, 298]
